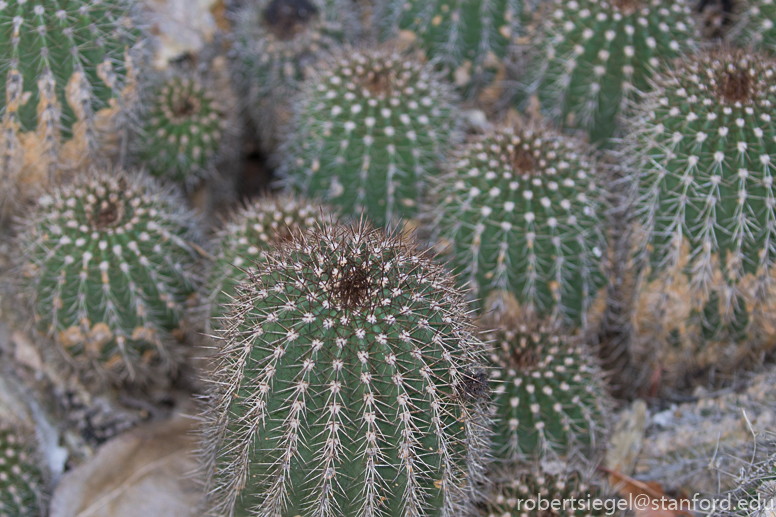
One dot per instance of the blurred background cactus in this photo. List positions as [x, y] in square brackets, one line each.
[107, 261]
[21, 480]
[70, 71]
[593, 56]
[519, 212]
[364, 346]
[369, 130]
[756, 24]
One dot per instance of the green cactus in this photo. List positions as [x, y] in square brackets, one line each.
[549, 393]
[108, 262]
[595, 55]
[520, 211]
[69, 72]
[275, 42]
[700, 151]
[756, 24]
[185, 130]
[470, 38]
[368, 132]
[349, 378]
[21, 481]
[248, 236]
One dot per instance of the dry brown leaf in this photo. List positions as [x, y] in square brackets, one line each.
[649, 497]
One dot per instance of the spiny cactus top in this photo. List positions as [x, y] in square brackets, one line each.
[757, 24]
[184, 131]
[469, 38]
[108, 261]
[275, 40]
[348, 384]
[250, 233]
[702, 147]
[549, 394]
[66, 66]
[368, 132]
[21, 482]
[594, 55]
[519, 209]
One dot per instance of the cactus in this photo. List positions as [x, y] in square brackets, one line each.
[470, 39]
[756, 24]
[185, 131]
[549, 393]
[68, 77]
[21, 482]
[519, 210]
[526, 494]
[595, 55]
[349, 378]
[275, 41]
[368, 133]
[107, 260]
[700, 152]
[248, 236]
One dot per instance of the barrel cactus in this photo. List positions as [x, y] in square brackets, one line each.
[756, 24]
[107, 260]
[349, 378]
[700, 149]
[520, 211]
[21, 481]
[69, 74]
[252, 232]
[185, 130]
[368, 132]
[275, 41]
[595, 55]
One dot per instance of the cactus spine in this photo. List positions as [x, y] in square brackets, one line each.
[68, 76]
[519, 210]
[369, 131]
[349, 378]
[107, 260]
[249, 235]
[21, 482]
[702, 147]
[757, 24]
[549, 394]
[594, 55]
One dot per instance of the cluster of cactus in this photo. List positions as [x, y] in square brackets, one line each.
[69, 75]
[185, 131]
[520, 212]
[21, 481]
[348, 377]
[549, 395]
[275, 42]
[756, 24]
[595, 55]
[107, 260]
[368, 133]
[249, 235]
[700, 148]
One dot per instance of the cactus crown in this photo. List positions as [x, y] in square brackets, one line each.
[520, 210]
[343, 380]
[21, 482]
[108, 261]
[549, 396]
[184, 131]
[369, 130]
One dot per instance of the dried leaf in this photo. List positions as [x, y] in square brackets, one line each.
[647, 499]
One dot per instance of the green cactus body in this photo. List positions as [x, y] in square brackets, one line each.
[249, 235]
[469, 38]
[526, 494]
[348, 385]
[108, 262]
[701, 148]
[275, 41]
[594, 55]
[68, 74]
[184, 132]
[21, 482]
[549, 396]
[757, 24]
[369, 131]
[519, 211]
